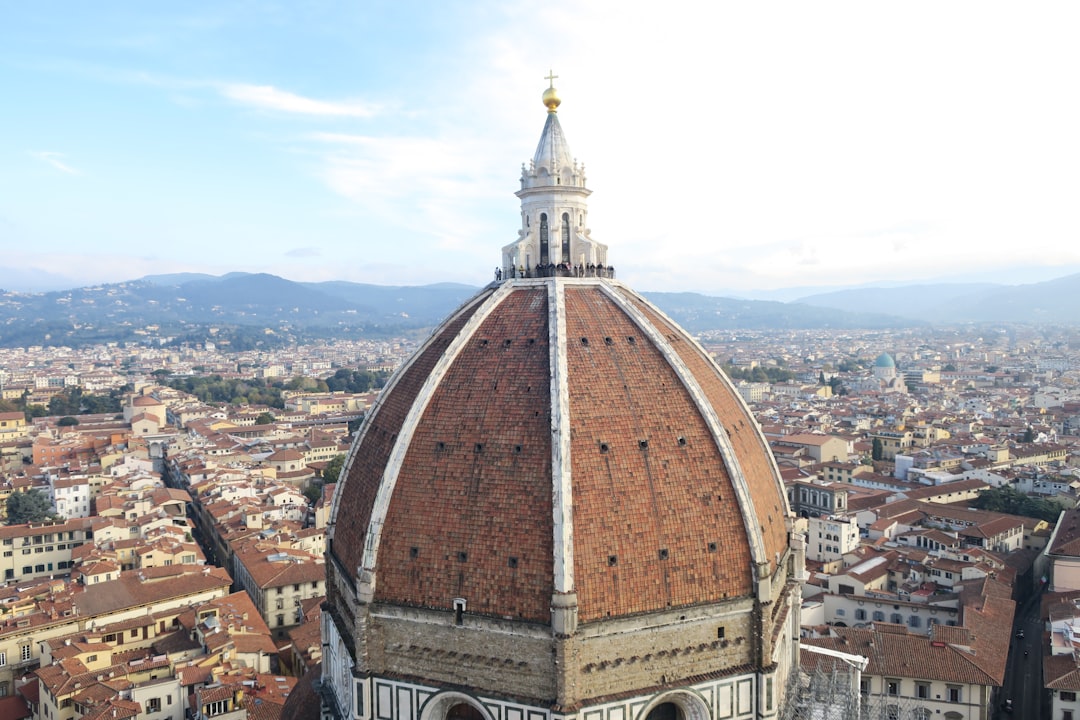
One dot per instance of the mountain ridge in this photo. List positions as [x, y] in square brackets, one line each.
[267, 308]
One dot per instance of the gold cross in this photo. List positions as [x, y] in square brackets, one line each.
[551, 78]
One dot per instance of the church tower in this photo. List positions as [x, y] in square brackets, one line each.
[559, 508]
[553, 206]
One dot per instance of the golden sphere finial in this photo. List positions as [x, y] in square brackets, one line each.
[551, 96]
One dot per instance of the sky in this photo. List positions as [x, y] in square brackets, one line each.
[732, 148]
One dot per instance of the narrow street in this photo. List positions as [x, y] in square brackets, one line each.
[1023, 675]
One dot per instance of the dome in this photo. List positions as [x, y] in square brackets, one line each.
[560, 435]
[558, 506]
[884, 360]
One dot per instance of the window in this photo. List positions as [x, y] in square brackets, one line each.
[1066, 715]
[860, 614]
[153, 705]
[91, 658]
[921, 713]
[896, 619]
[954, 694]
[914, 621]
[1068, 696]
[841, 612]
[3, 659]
[922, 691]
[892, 712]
[24, 653]
[879, 616]
[892, 687]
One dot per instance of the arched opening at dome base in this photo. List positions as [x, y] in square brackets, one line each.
[453, 706]
[665, 711]
[464, 711]
[678, 705]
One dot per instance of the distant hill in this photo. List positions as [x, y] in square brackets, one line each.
[254, 309]
[1051, 301]
[698, 313]
[182, 278]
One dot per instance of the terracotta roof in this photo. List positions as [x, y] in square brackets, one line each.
[160, 584]
[304, 701]
[657, 521]
[903, 655]
[1060, 672]
[1067, 535]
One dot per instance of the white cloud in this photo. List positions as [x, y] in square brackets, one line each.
[268, 97]
[433, 187]
[55, 159]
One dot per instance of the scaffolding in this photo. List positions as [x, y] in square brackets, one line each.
[829, 688]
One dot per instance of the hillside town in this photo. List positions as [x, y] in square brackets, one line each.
[179, 570]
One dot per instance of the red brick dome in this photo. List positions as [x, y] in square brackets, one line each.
[558, 436]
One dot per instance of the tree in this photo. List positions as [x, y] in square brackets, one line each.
[1029, 436]
[313, 490]
[27, 507]
[877, 451]
[333, 468]
[1007, 499]
[67, 421]
[264, 419]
